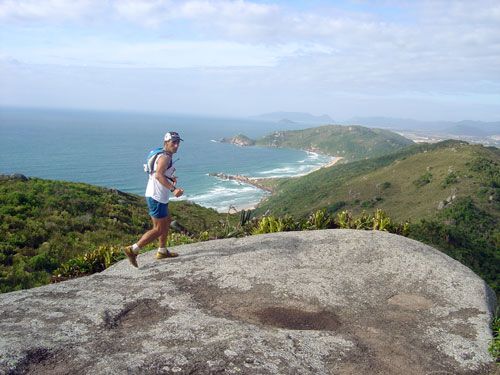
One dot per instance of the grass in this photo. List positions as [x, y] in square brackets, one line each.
[388, 182]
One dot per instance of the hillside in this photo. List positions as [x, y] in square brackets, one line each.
[350, 142]
[44, 223]
[412, 183]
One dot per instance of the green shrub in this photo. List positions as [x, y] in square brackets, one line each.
[335, 207]
[318, 220]
[451, 178]
[271, 224]
[88, 263]
[385, 185]
[423, 180]
[367, 204]
[494, 347]
[344, 220]
[467, 234]
[43, 262]
[20, 276]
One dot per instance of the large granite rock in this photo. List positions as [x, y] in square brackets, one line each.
[318, 302]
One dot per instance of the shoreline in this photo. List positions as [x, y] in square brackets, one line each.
[331, 163]
[254, 181]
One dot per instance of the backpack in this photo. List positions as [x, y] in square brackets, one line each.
[151, 160]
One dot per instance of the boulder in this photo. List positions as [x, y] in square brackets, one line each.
[13, 176]
[316, 302]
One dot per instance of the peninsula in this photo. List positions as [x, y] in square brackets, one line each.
[243, 179]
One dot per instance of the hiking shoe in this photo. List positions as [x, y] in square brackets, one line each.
[132, 257]
[169, 254]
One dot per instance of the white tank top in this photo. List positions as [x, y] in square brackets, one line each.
[155, 189]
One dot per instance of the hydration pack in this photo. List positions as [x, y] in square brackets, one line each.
[149, 167]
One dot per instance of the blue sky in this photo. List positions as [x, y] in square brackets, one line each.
[426, 60]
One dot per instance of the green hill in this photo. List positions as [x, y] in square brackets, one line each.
[412, 183]
[350, 142]
[44, 223]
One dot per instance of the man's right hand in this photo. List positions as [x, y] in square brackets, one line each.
[178, 192]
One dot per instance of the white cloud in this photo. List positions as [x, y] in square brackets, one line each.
[166, 54]
[45, 10]
[427, 47]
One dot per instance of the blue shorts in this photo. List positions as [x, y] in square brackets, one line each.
[157, 210]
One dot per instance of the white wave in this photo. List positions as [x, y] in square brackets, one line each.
[221, 192]
[288, 171]
[313, 155]
[226, 194]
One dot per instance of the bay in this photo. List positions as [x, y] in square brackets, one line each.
[108, 149]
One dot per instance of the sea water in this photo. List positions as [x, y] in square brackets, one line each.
[109, 148]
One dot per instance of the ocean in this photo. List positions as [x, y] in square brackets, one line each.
[108, 149]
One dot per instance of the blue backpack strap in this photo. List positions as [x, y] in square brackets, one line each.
[151, 159]
[153, 156]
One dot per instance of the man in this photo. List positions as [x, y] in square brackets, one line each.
[161, 182]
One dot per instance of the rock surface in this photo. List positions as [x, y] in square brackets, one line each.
[318, 302]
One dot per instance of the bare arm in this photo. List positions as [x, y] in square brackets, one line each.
[160, 176]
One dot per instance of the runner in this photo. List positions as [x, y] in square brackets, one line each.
[161, 183]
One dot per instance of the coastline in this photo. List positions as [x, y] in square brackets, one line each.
[331, 163]
[255, 182]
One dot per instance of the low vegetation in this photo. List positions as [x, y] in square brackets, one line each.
[44, 224]
[494, 348]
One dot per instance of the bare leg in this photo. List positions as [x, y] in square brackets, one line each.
[163, 236]
[160, 226]
[162, 250]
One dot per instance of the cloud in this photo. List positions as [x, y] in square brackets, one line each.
[102, 52]
[418, 49]
[214, 18]
[421, 42]
[45, 10]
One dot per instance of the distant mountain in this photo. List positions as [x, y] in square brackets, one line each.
[349, 142]
[474, 128]
[465, 128]
[292, 117]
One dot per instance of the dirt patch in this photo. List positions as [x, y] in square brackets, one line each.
[412, 302]
[42, 361]
[386, 338]
[142, 312]
[262, 307]
[295, 319]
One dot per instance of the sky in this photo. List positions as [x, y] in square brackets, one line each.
[420, 59]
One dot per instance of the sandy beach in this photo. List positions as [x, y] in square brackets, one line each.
[327, 165]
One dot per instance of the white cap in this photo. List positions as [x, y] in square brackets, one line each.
[172, 136]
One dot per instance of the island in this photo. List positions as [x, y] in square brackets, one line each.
[239, 140]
